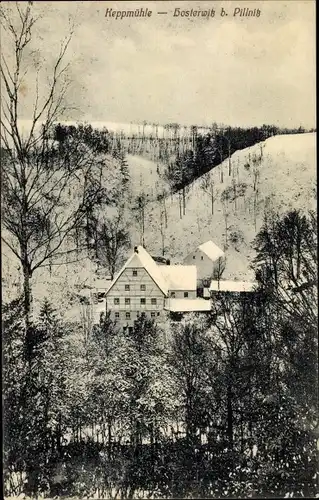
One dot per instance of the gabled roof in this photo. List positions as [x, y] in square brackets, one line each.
[232, 286]
[211, 250]
[141, 258]
[179, 277]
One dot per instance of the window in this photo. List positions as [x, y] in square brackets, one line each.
[194, 256]
[134, 272]
[185, 294]
[117, 314]
[152, 314]
[116, 301]
[158, 314]
[173, 295]
[143, 301]
[127, 301]
[143, 288]
[128, 315]
[153, 301]
[202, 258]
[127, 288]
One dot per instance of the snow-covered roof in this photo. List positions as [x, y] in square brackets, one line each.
[142, 258]
[152, 268]
[187, 305]
[232, 286]
[211, 250]
[179, 277]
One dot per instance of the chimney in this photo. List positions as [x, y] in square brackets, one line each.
[135, 250]
[168, 262]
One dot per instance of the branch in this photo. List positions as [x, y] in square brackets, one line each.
[11, 248]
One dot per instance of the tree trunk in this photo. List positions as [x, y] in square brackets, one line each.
[298, 249]
[27, 295]
[143, 226]
[165, 213]
[226, 230]
[255, 211]
[230, 416]
[112, 270]
[163, 242]
[109, 435]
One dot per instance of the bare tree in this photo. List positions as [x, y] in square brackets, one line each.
[162, 219]
[256, 161]
[46, 184]
[219, 268]
[228, 138]
[220, 148]
[162, 229]
[113, 240]
[207, 185]
[139, 212]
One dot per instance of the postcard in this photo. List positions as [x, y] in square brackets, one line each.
[159, 249]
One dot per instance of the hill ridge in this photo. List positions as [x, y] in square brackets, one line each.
[277, 173]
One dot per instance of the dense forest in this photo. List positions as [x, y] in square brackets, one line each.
[212, 148]
[220, 405]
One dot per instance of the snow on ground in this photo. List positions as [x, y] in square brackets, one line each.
[144, 176]
[286, 179]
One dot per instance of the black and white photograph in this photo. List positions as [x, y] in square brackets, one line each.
[159, 249]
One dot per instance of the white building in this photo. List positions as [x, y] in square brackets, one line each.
[209, 260]
[143, 286]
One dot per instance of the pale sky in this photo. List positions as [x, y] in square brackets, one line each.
[238, 71]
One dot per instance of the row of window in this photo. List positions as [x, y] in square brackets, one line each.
[142, 288]
[128, 314]
[202, 258]
[128, 301]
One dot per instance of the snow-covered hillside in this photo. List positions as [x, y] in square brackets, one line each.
[144, 176]
[283, 171]
[279, 173]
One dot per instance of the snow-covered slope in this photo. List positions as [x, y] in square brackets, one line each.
[144, 176]
[284, 174]
[284, 178]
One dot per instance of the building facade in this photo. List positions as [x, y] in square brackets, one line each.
[134, 292]
[209, 260]
[143, 286]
